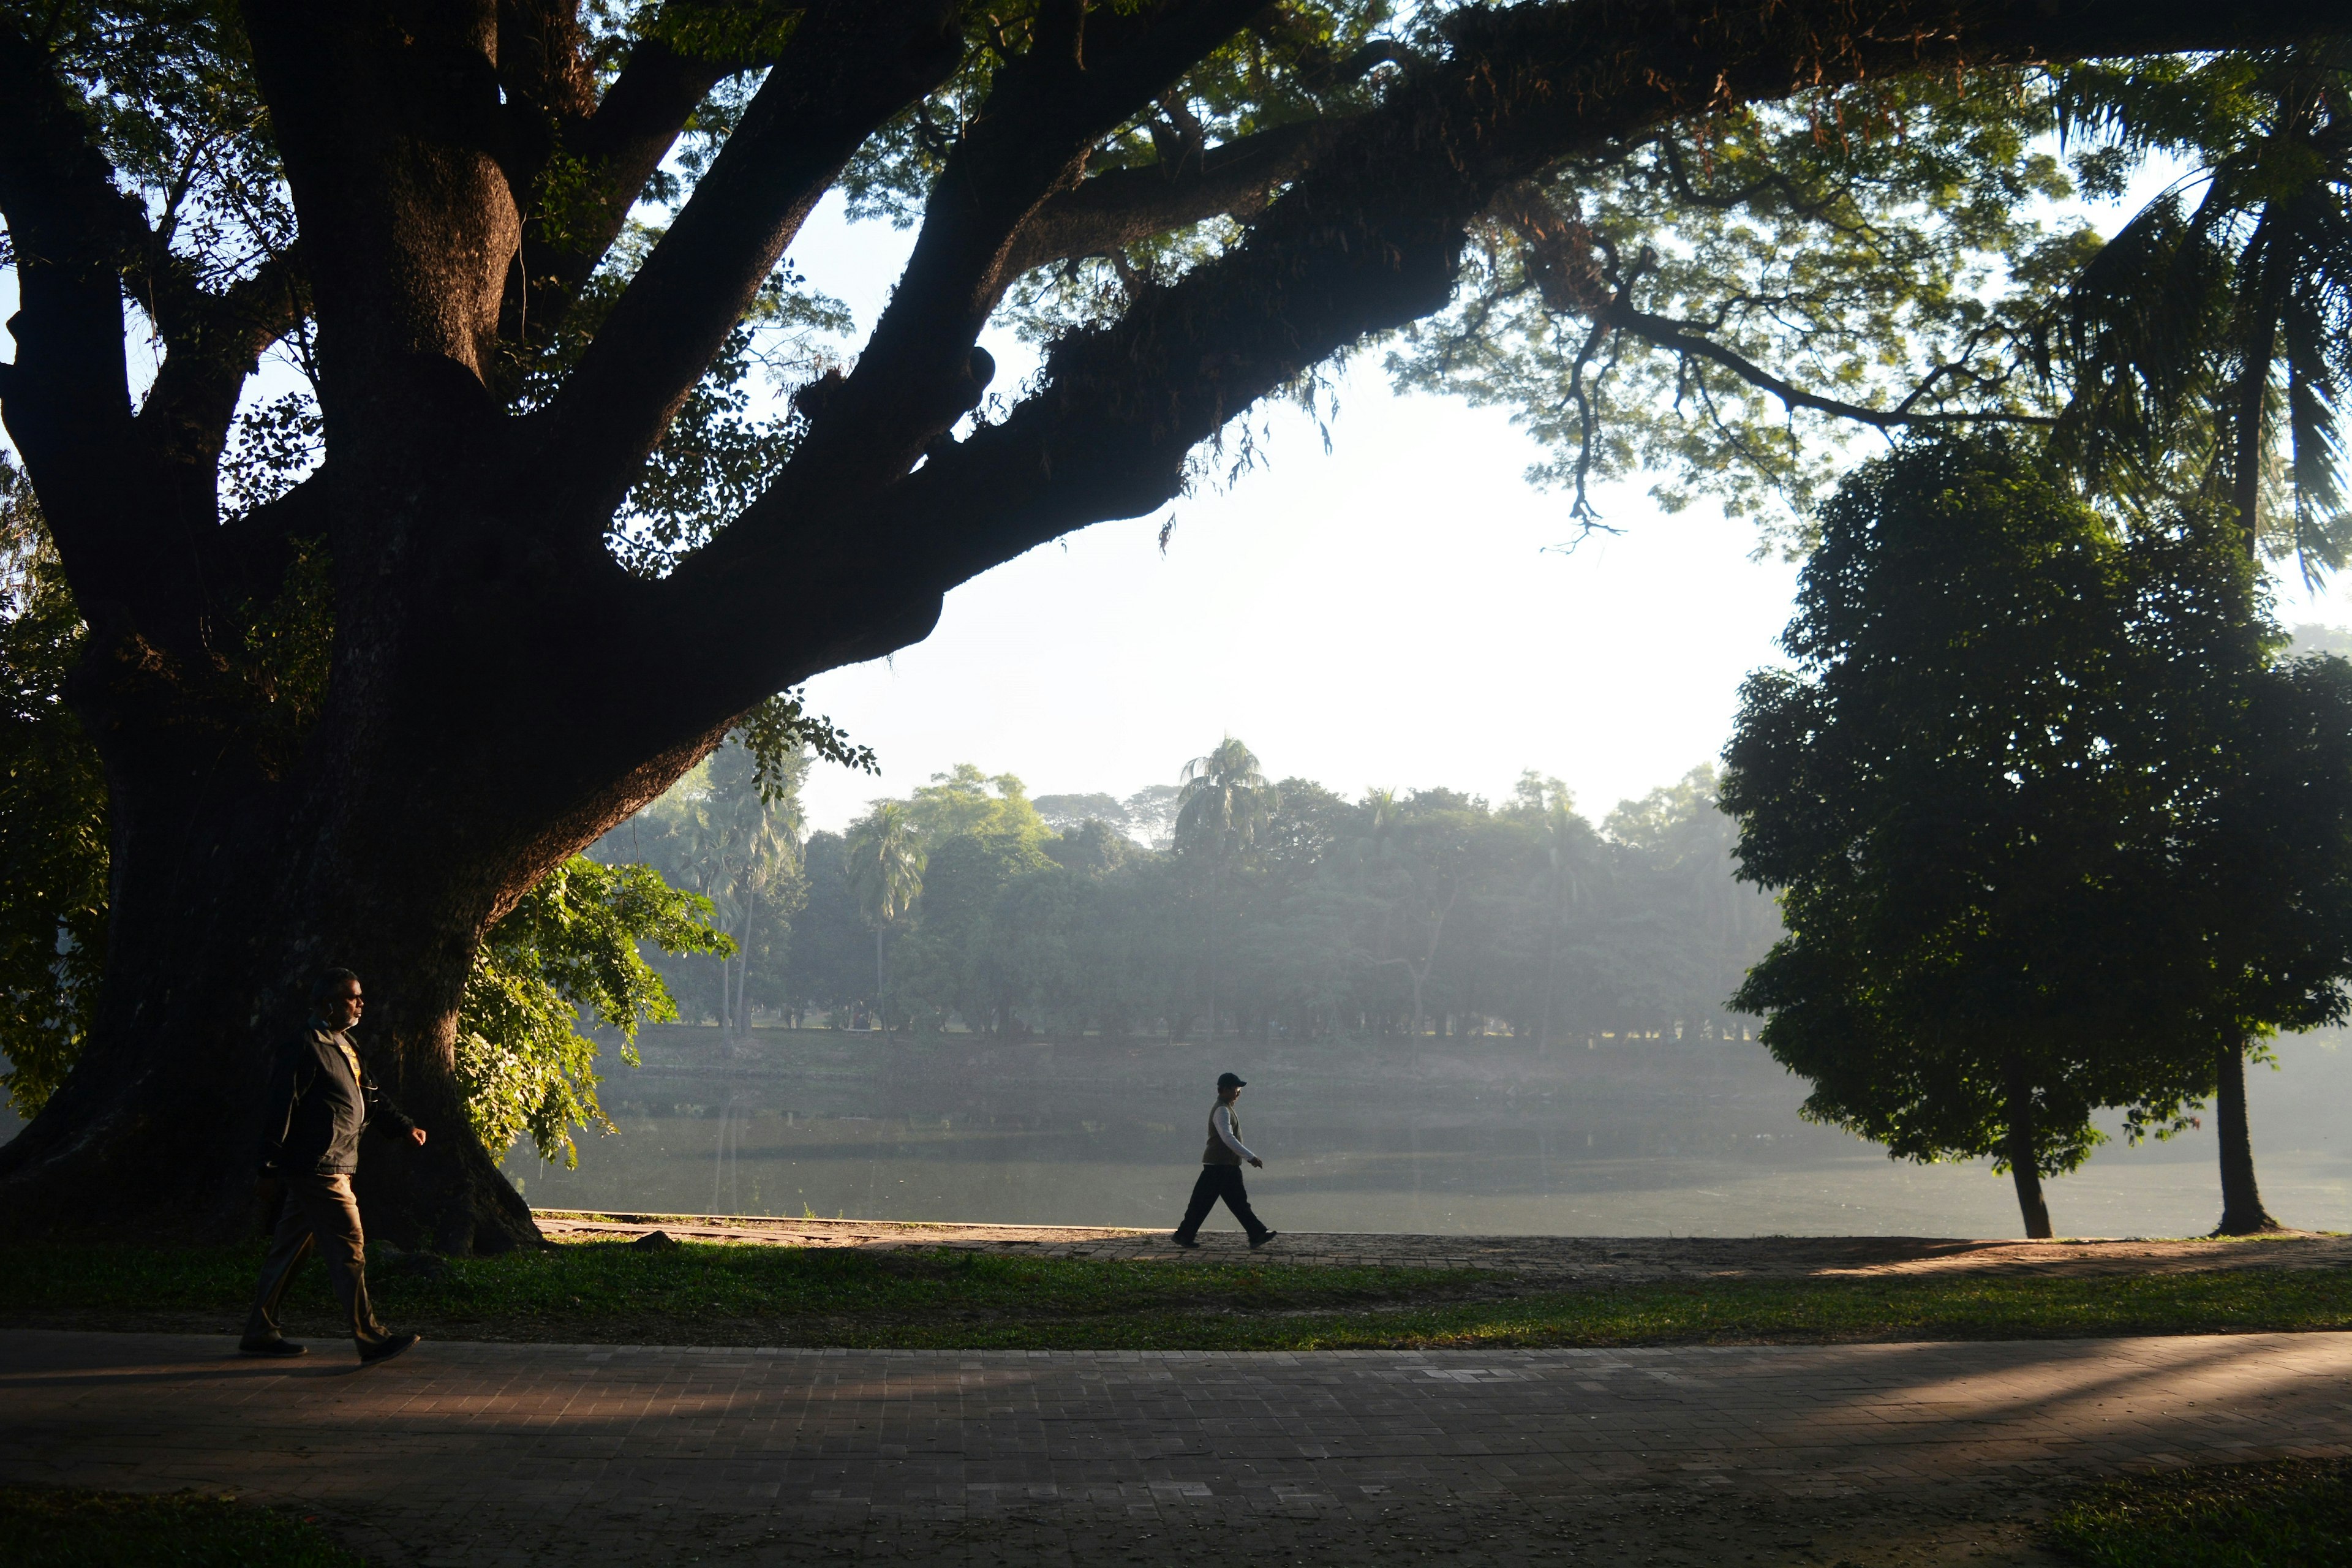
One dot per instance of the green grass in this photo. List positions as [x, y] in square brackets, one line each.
[728, 1294]
[41, 1528]
[2289, 1514]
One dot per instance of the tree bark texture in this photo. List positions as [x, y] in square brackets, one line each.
[2018, 1150]
[2242, 1200]
[496, 696]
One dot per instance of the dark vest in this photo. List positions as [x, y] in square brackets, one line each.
[1216, 1154]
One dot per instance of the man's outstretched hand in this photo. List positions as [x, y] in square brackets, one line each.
[417, 1134]
[1259, 1163]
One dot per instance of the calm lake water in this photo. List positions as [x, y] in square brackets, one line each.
[1476, 1136]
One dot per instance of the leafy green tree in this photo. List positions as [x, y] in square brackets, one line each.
[1565, 879]
[1224, 803]
[2003, 794]
[1417, 861]
[829, 963]
[1062, 813]
[53, 858]
[885, 863]
[964, 800]
[1092, 847]
[572, 944]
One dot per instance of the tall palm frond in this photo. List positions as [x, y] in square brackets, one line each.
[1225, 801]
[2198, 341]
[886, 865]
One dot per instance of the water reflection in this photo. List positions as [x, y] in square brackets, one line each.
[1471, 1137]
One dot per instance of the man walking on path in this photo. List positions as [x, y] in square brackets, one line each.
[1221, 1172]
[320, 1100]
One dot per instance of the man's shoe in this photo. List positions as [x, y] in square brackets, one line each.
[1188, 1245]
[271, 1347]
[383, 1350]
[1262, 1240]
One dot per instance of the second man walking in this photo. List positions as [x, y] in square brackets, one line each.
[1221, 1172]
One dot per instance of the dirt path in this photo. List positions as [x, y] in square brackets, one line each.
[485, 1455]
[1552, 1261]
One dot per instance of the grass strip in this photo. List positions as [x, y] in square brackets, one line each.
[2286, 1514]
[717, 1293]
[58, 1528]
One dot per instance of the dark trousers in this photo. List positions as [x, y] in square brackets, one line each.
[320, 1212]
[1220, 1182]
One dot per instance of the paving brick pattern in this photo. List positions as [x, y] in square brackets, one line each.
[481, 1454]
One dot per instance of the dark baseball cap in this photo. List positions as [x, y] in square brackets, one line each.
[1230, 1080]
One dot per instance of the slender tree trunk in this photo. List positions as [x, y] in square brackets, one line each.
[1209, 945]
[1551, 971]
[881, 1014]
[2241, 1201]
[2018, 1149]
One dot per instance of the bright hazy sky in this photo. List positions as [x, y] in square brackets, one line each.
[1385, 615]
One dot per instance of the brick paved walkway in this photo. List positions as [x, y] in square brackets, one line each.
[485, 1454]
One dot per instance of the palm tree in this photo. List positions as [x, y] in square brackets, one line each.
[737, 845]
[2194, 331]
[1223, 804]
[886, 876]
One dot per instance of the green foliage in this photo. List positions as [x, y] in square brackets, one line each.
[731, 831]
[1722, 303]
[2285, 1513]
[2052, 827]
[53, 846]
[959, 801]
[571, 943]
[65, 1528]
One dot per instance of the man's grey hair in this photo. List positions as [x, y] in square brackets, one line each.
[328, 979]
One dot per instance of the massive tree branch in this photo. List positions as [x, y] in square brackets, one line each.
[612, 152]
[212, 342]
[1088, 70]
[1368, 240]
[68, 392]
[807, 119]
[1126, 206]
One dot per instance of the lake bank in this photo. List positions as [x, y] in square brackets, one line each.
[1477, 1136]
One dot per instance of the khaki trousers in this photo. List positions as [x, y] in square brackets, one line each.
[320, 1212]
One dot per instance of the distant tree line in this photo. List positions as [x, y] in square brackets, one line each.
[1231, 904]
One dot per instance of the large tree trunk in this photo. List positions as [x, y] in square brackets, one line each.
[2241, 1201]
[2017, 1148]
[402, 830]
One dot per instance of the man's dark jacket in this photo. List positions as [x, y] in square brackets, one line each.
[315, 1110]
